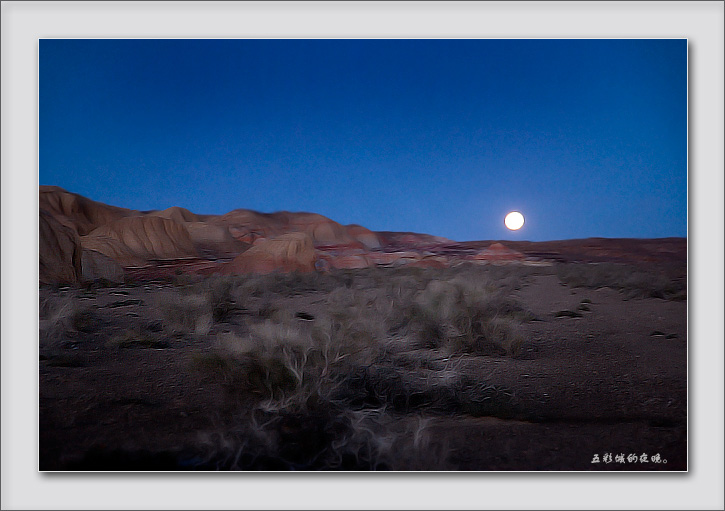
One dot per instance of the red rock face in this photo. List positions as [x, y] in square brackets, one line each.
[322, 230]
[384, 258]
[146, 237]
[351, 262]
[113, 248]
[177, 214]
[59, 250]
[77, 212]
[431, 262]
[250, 238]
[408, 240]
[248, 226]
[214, 239]
[498, 252]
[365, 236]
[286, 253]
[406, 257]
[353, 247]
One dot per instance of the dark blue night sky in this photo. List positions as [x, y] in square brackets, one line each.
[584, 137]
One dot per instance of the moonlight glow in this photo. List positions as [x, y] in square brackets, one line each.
[514, 220]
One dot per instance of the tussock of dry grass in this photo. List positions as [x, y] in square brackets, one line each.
[464, 317]
[190, 313]
[64, 318]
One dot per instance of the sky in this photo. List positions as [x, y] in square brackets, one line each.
[586, 138]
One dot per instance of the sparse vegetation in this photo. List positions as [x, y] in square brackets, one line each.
[323, 389]
[347, 370]
[64, 318]
[465, 317]
[631, 280]
[186, 313]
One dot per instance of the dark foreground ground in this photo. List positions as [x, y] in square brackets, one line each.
[469, 368]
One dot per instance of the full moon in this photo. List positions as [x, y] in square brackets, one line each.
[514, 220]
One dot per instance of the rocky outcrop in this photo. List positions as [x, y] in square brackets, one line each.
[113, 248]
[214, 239]
[350, 262]
[208, 238]
[248, 226]
[431, 262]
[77, 212]
[289, 252]
[365, 236]
[496, 252]
[143, 238]
[322, 230]
[59, 251]
[406, 240]
[394, 258]
[176, 213]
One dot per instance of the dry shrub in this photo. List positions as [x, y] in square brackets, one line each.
[465, 317]
[282, 358]
[64, 317]
[184, 314]
[195, 307]
[221, 292]
[323, 436]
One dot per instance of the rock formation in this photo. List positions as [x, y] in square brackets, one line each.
[321, 230]
[146, 237]
[77, 212]
[113, 248]
[214, 239]
[176, 213]
[59, 251]
[365, 236]
[288, 252]
[248, 226]
[431, 262]
[86, 240]
[496, 252]
[350, 262]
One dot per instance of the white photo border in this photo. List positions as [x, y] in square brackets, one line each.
[24, 23]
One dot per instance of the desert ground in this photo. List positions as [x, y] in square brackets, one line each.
[485, 367]
[170, 340]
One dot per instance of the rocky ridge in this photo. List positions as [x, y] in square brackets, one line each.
[84, 240]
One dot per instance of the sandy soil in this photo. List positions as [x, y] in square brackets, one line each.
[613, 381]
